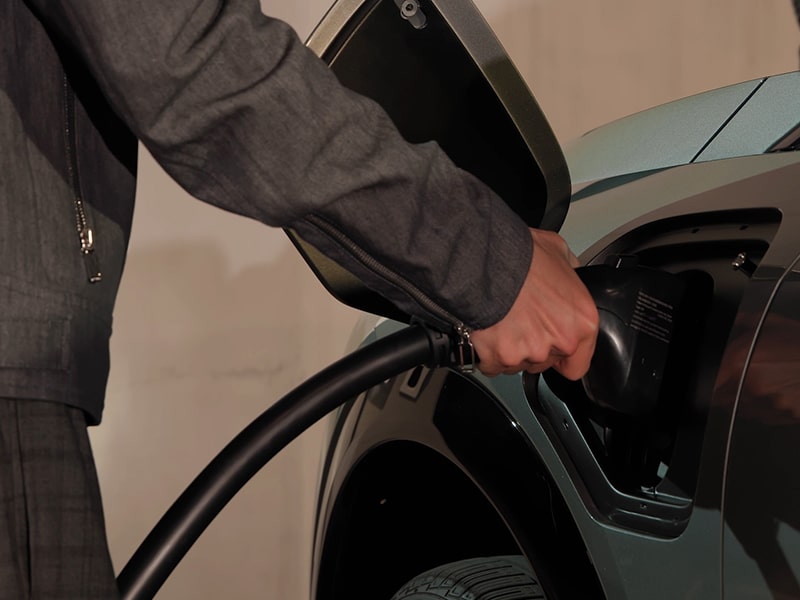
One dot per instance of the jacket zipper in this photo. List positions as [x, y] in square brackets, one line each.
[464, 352]
[86, 237]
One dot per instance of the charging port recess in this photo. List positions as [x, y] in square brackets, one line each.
[641, 466]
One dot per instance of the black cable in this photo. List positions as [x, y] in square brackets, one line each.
[244, 456]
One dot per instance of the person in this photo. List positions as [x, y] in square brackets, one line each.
[243, 116]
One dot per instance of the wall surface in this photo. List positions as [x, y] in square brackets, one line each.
[218, 316]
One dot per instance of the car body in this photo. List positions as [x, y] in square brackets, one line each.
[699, 496]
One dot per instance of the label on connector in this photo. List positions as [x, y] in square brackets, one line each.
[652, 317]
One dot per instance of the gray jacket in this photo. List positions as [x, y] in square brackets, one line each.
[243, 116]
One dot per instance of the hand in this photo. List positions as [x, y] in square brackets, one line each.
[552, 323]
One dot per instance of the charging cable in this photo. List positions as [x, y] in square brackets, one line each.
[267, 435]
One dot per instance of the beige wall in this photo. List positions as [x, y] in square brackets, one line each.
[590, 61]
[218, 316]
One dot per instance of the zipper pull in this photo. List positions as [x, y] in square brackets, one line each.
[90, 260]
[465, 352]
[87, 240]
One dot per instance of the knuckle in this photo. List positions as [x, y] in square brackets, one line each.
[506, 357]
[538, 354]
[570, 373]
[490, 369]
[570, 345]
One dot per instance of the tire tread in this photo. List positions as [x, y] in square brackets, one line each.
[495, 578]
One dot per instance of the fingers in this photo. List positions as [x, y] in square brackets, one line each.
[552, 323]
[575, 366]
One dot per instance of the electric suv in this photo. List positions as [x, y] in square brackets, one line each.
[444, 484]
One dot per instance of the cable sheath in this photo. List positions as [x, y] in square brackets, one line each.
[267, 435]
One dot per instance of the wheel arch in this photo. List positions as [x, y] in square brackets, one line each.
[478, 489]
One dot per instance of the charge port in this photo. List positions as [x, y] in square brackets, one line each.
[653, 455]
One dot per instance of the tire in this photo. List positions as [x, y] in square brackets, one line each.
[494, 578]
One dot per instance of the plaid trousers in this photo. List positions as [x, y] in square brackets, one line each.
[52, 533]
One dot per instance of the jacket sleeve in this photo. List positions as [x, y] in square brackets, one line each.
[242, 115]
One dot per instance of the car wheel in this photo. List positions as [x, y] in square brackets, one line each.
[507, 577]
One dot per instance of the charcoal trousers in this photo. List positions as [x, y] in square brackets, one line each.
[52, 533]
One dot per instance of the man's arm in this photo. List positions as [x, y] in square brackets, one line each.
[243, 116]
